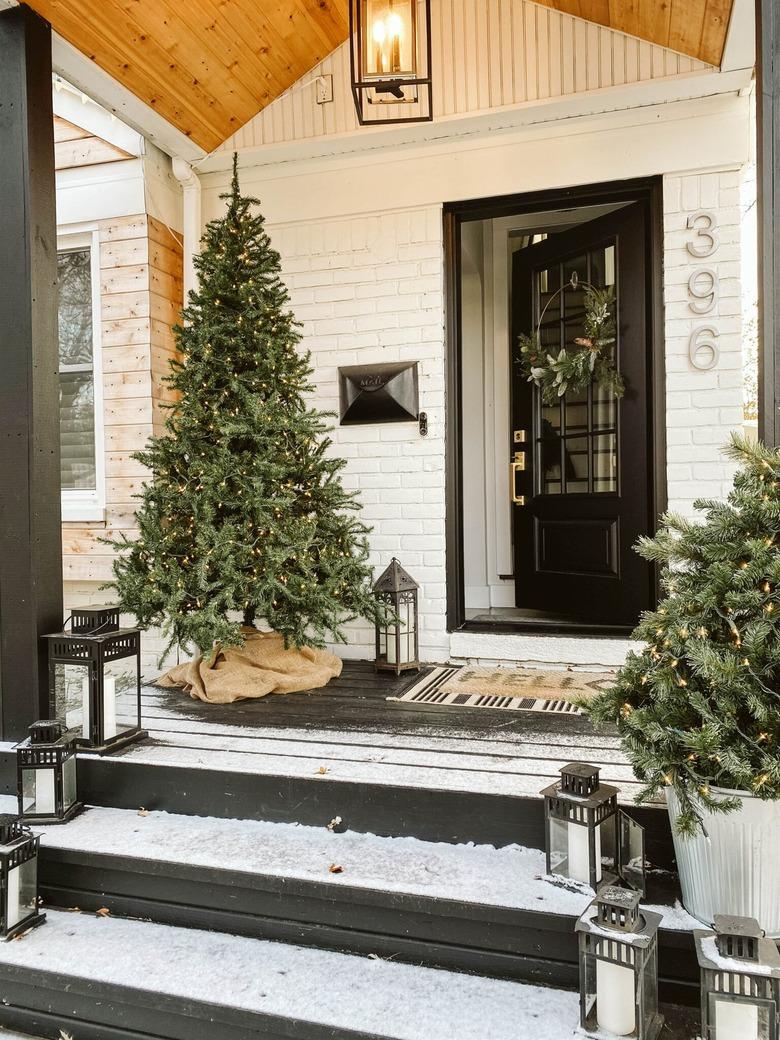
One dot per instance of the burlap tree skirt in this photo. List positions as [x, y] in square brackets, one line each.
[259, 667]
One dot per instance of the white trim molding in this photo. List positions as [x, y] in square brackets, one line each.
[89, 504]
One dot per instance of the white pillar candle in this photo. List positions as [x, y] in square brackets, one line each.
[615, 1006]
[85, 713]
[44, 792]
[109, 706]
[13, 914]
[579, 854]
[736, 1021]
[390, 655]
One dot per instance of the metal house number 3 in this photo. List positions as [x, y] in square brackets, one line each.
[703, 288]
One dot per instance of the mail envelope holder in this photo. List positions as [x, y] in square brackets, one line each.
[381, 393]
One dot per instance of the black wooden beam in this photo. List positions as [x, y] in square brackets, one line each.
[30, 536]
[768, 142]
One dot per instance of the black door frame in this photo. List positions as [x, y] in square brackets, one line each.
[649, 192]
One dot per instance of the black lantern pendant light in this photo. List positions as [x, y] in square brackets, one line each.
[95, 679]
[390, 60]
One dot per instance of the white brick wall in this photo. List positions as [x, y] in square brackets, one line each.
[368, 290]
[702, 406]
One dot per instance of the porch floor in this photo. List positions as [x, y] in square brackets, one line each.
[351, 732]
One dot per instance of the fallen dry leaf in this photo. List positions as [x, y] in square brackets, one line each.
[103, 911]
[322, 770]
[65, 1036]
[143, 812]
[334, 868]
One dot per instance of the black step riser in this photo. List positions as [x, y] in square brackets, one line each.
[431, 815]
[514, 944]
[44, 1002]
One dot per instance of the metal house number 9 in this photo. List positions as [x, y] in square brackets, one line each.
[703, 287]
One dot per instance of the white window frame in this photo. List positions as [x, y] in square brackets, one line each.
[89, 504]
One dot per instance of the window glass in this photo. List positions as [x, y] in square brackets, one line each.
[77, 377]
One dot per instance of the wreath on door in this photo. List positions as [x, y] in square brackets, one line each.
[592, 361]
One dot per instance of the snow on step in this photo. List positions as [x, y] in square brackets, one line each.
[340, 991]
[508, 877]
[523, 779]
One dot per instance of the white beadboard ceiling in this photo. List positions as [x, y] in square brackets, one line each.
[487, 54]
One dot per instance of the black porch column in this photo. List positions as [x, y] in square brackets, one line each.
[768, 140]
[30, 538]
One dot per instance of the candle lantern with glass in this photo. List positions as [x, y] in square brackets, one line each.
[587, 837]
[740, 981]
[46, 774]
[618, 952]
[18, 878]
[95, 679]
[397, 631]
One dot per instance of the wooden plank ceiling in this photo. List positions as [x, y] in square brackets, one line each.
[209, 66]
[694, 27]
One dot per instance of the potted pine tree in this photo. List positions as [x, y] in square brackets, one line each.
[698, 708]
[244, 519]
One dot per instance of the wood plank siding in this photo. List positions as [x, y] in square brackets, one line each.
[486, 54]
[74, 147]
[208, 67]
[141, 295]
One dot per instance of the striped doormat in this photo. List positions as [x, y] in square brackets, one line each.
[507, 689]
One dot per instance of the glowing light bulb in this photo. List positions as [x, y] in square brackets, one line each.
[395, 28]
[395, 24]
[380, 31]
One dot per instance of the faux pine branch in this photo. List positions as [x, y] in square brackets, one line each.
[699, 707]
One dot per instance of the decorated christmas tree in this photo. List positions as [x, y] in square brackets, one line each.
[244, 517]
[699, 707]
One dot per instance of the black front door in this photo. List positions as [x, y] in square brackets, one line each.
[581, 468]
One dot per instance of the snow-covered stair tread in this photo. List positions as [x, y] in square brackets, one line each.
[339, 991]
[516, 778]
[507, 877]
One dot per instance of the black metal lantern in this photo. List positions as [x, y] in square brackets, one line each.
[95, 679]
[46, 774]
[390, 60]
[619, 967]
[740, 981]
[586, 832]
[397, 642]
[18, 878]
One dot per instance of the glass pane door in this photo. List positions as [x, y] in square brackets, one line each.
[576, 439]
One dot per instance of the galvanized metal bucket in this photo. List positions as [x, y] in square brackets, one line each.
[734, 869]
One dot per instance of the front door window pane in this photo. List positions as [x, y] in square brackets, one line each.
[576, 439]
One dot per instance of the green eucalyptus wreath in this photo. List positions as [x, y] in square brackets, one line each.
[573, 370]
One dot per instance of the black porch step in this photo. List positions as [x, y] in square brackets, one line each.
[475, 909]
[100, 978]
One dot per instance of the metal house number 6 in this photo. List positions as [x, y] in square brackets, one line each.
[703, 351]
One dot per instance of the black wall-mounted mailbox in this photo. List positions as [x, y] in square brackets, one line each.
[379, 393]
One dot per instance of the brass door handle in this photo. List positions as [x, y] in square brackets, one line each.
[514, 467]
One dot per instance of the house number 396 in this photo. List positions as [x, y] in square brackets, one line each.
[703, 288]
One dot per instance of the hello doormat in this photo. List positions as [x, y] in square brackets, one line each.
[508, 689]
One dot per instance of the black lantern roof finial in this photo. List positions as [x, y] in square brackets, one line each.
[395, 579]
